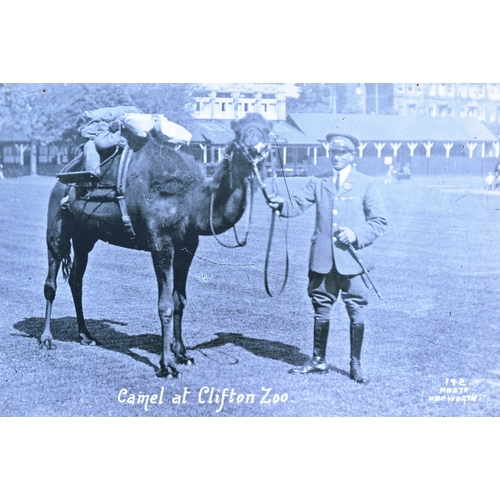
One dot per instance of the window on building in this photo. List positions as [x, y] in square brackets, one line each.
[432, 111]
[400, 87]
[419, 87]
[409, 87]
[412, 110]
[264, 107]
[223, 107]
[474, 112]
[442, 89]
[245, 107]
[432, 89]
[443, 110]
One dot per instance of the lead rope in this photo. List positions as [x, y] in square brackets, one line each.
[270, 241]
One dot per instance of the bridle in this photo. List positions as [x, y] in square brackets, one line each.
[255, 157]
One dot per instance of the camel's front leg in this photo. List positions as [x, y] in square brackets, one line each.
[162, 262]
[183, 258]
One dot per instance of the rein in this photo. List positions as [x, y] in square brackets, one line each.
[255, 177]
[247, 223]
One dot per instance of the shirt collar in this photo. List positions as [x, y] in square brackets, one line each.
[342, 175]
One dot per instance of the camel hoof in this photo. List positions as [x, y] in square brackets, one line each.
[48, 344]
[168, 372]
[182, 359]
[87, 340]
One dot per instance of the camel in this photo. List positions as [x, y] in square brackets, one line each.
[170, 203]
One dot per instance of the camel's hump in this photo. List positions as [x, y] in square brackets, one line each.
[173, 171]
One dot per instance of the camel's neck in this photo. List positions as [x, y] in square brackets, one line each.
[224, 201]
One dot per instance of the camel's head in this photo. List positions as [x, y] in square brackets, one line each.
[252, 137]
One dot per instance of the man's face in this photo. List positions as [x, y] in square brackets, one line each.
[340, 157]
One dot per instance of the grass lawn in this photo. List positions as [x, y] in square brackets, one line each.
[432, 346]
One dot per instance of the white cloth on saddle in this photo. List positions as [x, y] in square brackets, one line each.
[140, 124]
[109, 114]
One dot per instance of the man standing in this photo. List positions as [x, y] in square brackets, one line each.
[350, 215]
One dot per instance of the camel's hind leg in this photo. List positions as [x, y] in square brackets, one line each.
[59, 252]
[49, 290]
[82, 245]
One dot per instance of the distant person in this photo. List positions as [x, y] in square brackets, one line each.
[489, 180]
[391, 172]
[496, 181]
[350, 216]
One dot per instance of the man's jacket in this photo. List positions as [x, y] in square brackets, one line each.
[357, 205]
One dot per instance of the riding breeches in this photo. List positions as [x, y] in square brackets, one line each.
[324, 290]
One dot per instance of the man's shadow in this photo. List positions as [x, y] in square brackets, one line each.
[66, 330]
[270, 349]
[262, 348]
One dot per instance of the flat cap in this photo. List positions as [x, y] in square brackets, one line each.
[343, 141]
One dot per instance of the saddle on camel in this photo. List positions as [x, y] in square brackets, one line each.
[108, 132]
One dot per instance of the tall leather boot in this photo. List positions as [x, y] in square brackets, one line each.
[357, 333]
[317, 364]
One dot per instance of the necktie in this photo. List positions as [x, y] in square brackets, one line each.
[337, 182]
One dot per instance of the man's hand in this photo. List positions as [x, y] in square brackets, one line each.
[276, 202]
[346, 235]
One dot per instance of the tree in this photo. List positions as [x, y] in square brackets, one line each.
[350, 98]
[313, 98]
[27, 109]
[174, 100]
[327, 98]
[52, 113]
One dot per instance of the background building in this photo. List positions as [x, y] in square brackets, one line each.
[235, 100]
[431, 128]
[460, 100]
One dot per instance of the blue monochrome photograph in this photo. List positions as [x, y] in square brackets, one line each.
[249, 250]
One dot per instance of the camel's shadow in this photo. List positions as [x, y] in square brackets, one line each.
[65, 330]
